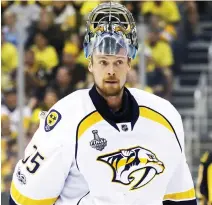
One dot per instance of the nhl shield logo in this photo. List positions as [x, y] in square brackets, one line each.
[98, 143]
[124, 127]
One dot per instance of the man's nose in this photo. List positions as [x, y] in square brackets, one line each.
[111, 71]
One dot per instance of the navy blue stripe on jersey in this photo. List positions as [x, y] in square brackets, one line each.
[168, 122]
[82, 198]
[189, 202]
[11, 201]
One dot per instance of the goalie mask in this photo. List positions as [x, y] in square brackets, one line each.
[111, 30]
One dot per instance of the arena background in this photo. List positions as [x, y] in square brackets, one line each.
[42, 61]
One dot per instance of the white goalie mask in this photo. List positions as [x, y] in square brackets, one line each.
[111, 30]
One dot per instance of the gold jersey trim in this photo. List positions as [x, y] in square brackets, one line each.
[186, 195]
[24, 200]
[145, 112]
[154, 116]
[87, 122]
[95, 117]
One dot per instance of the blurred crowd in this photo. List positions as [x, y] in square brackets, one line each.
[54, 62]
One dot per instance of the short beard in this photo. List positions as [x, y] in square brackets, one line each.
[105, 93]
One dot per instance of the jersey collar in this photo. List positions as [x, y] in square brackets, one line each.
[128, 113]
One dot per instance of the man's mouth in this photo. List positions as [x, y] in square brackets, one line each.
[111, 81]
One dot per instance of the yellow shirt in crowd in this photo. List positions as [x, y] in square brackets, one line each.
[161, 54]
[168, 10]
[88, 6]
[35, 116]
[9, 57]
[46, 58]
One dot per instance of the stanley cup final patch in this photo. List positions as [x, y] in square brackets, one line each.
[98, 143]
[51, 120]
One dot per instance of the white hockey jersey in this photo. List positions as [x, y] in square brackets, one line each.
[79, 156]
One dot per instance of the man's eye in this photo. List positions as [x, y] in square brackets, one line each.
[103, 62]
[119, 62]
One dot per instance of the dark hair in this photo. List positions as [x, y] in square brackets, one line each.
[11, 90]
[51, 90]
[43, 34]
[65, 68]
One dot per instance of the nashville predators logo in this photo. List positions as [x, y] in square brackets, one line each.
[135, 166]
[51, 120]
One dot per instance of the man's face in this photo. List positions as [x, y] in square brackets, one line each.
[40, 41]
[9, 19]
[29, 57]
[50, 99]
[153, 37]
[63, 77]
[45, 20]
[68, 59]
[11, 100]
[109, 72]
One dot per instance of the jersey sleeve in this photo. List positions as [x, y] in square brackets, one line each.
[39, 178]
[180, 189]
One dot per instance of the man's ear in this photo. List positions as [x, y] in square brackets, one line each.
[129, 64]
[90, 67]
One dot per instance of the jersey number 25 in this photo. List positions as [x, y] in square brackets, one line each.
[33, 164]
